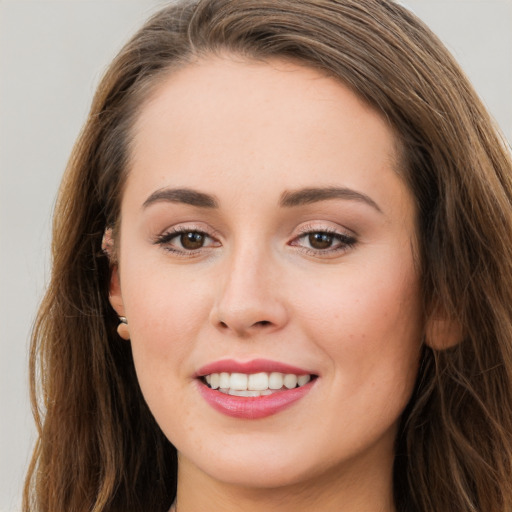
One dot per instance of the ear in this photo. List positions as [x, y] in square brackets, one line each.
[107, 245]
[116, 301]
[442, 332]
[114, 296]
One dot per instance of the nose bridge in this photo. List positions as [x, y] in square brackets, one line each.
[247, 300]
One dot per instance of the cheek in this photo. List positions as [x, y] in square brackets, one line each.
[166, 311]
[370, 324]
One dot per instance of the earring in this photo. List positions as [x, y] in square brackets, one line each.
[107, 243]
[122, 328]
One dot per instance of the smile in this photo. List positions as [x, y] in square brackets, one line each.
[254, 389]
[254, 384]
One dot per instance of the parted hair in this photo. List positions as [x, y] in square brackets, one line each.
[99, 448]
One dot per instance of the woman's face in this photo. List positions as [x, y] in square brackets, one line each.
[265, 232]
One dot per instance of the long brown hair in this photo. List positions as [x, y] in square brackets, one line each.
[99, 448]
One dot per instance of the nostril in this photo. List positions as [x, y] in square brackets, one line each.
[244, 330]
[262, 323]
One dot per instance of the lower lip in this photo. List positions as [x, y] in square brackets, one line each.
[253, 408]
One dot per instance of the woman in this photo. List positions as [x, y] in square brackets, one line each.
[281, 275]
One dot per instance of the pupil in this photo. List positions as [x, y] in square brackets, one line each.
[192, 240]
[320, 240]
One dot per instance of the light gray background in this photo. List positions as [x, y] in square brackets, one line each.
[52, 54]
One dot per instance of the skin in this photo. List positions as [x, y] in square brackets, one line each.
[246, 133]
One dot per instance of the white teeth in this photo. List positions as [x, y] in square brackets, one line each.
[258, 381]
[223, 380]
[275, 380]
[303, 379]
[290, 381]
[238, 381]
[214, 380]
[244, 392]
[254, 384]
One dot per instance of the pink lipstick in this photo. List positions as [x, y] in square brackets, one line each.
[253, 389]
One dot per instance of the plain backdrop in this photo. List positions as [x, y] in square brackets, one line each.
[52, 54]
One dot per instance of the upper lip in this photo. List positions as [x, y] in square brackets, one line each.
[252, 366]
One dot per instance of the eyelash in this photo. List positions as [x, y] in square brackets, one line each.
[166, 238]
[345, 241]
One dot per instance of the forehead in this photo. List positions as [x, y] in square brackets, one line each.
[247, 122]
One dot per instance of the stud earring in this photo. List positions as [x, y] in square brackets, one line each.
[122, 328]
[107, 243]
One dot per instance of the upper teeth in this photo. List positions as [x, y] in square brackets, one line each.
[255, 381]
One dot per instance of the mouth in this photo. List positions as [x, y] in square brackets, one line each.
[254, 385]
[255, 389]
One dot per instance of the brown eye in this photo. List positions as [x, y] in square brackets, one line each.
[324, 244]
[192, 240]
[320, 240]
[186, 242]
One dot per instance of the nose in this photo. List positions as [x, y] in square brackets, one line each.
[249, 299]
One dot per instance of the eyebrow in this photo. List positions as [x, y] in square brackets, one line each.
[314, 195]
[182, 195]
[288, 199]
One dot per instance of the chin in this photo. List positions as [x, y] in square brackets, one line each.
[259, 474]
[261, 463]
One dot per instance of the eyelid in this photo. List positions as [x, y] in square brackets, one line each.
[181, 227]
[324, 227]
[347, 239]
[164, 238]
